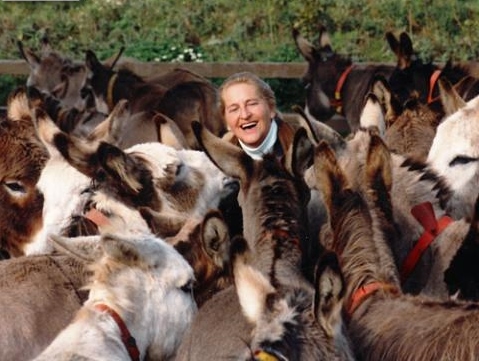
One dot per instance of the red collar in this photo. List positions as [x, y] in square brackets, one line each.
[363, 292]
[432, 83]
[97, 217]
[424, 213]
[128, 340]
[337, 102]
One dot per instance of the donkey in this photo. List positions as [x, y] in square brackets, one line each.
[419, 196]
[383, 323]
[120, 127]
[334, 85]
[138, 284]
[413, 76]
[273, 200]
[284, 317]
[453, 150]
[409, 128]
[55, 74]
[146, 175]
[182, 102]
[23, 157]
[38, 296]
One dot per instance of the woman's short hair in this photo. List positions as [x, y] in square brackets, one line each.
[249, 78]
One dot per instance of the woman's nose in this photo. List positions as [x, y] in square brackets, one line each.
[244, 112]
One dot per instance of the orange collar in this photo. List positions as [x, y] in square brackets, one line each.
[363, 292]
[109, 92]
[128, 340]
[424, 213]
[337, 102]
[432, 83]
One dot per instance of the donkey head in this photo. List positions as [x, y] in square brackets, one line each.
[55, 74]
[290, 323]
[23, 157]
[324, 69]
[411, 78]
[454, 155]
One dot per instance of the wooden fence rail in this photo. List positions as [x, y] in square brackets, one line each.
[293, 70]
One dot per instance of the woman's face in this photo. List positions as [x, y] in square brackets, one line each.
[247, 114]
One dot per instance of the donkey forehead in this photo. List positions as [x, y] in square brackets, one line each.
[161, 156]
[157, 253]
[456, 135]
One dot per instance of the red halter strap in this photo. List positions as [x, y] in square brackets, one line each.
[363, 292]
[128, 340]
[337, 102]
[432, 83]
[424, 213]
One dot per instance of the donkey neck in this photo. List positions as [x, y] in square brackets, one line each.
[359, 241]
[275, 220]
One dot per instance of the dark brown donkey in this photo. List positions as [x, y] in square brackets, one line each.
[385, 324]
[273, 198]
[334, 84]
[414, 77]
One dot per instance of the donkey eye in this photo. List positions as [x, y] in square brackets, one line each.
[188, 286]
[462, 159]
[15, 187]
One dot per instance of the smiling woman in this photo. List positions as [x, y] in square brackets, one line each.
[248, 106]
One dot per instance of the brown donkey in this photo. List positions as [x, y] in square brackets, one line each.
[385, 324]
[273, 197]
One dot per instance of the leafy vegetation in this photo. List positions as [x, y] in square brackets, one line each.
[226, 30]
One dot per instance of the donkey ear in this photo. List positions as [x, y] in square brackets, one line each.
[406, 51]
[160, 224]
[215, 237]
[300, 154]
[92, 61]
[252, 287]
[306, 49]
[169, 133]
[86, 249]
[381, 89]
[450, 98]
[329, 178]
[121, 168]
[378, 166]
[393, 43]
[319, 130]
[329, 293]
[111, 128]
[372, 114]
[232, 160]
[31, 58]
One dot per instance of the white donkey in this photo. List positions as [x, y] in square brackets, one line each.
[139, 306]
[182, 185]
[455, 155]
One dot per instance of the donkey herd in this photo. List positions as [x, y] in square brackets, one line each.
[131, 230]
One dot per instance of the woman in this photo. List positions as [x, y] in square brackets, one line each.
[249, 109]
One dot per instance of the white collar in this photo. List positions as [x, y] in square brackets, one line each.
[266, 146]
